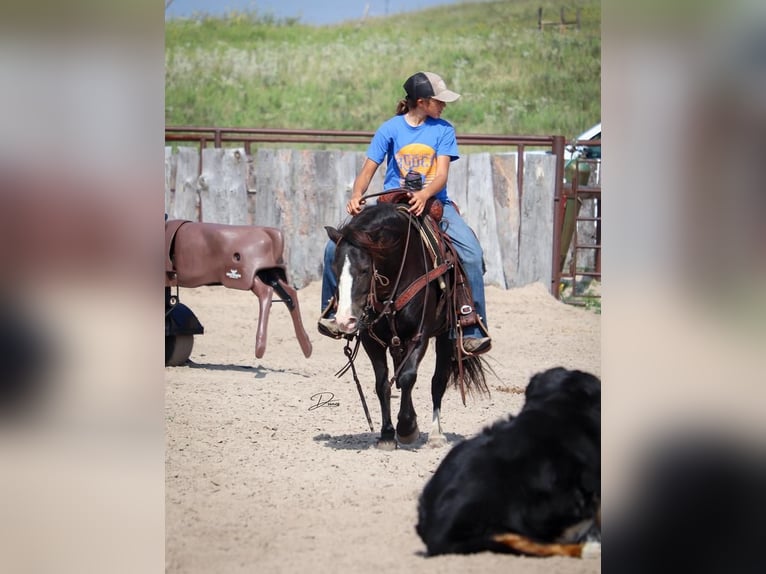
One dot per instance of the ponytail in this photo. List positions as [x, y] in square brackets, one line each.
[405, 105]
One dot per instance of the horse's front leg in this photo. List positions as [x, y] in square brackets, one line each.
[439, 381]
[407, 425]
[377, 354]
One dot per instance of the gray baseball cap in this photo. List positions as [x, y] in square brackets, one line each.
[428, 85]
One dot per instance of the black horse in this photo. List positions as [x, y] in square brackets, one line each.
[392, 297]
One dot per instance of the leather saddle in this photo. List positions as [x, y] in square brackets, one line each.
[442, 252]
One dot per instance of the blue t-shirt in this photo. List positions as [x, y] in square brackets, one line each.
[409, 148]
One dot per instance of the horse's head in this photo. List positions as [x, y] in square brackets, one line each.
[353, 268]
[368, 243]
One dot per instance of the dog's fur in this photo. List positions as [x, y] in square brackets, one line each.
[526, 484]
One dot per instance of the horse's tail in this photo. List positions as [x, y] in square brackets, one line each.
[468, 372]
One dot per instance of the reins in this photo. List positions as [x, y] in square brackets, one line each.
[386, 192]
[351, 354]
[395, 341]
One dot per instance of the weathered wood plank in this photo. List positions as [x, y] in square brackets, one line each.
[223, 186]
[272, 185]
[313, 182]
[536, 232]
[480, 215]
[169, 169]
[185, 198]
[457, 184]
[507, 215]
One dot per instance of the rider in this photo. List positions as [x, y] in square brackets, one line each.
[416, 138]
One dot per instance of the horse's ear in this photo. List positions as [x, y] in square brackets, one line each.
[333, 233]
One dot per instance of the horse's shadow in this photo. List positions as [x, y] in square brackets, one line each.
[368, 440]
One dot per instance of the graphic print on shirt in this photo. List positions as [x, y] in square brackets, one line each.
[418, 157]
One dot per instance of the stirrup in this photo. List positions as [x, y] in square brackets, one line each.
[328, 328]
[482, 345]
[326, 325]
[481, 349]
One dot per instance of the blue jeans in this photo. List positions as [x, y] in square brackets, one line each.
[468, 249]
[329, 281]
[472, 257]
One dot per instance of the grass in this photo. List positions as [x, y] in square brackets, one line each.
[245, 70]
[583, 292]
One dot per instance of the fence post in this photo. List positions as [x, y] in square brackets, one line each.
[558, 150]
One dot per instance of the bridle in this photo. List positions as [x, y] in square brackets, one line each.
[379, 307]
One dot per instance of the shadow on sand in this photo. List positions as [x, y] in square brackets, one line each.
[367, 440]
[259, 371]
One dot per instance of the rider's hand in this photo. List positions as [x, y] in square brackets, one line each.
[355, 205]
[418, 203]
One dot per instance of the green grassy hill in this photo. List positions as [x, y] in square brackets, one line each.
[249, 71]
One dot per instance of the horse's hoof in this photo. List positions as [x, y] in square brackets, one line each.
[386, 444]
[437, 441]
[410, 438]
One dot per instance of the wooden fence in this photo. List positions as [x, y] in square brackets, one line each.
[302, 191]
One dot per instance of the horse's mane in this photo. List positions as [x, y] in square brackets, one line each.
[379, 229]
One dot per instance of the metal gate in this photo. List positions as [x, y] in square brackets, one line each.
[579, 217]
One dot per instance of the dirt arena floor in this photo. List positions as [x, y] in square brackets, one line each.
[261, 479]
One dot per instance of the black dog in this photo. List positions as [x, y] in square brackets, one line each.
[530, 484]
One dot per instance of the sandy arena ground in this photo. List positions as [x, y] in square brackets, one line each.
[259, 479]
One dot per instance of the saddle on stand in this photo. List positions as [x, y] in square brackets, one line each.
[242, 257]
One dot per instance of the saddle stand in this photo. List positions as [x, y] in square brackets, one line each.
[241, 257]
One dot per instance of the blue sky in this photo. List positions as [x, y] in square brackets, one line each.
[315, 12]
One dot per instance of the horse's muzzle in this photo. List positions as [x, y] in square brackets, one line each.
[347, 325]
